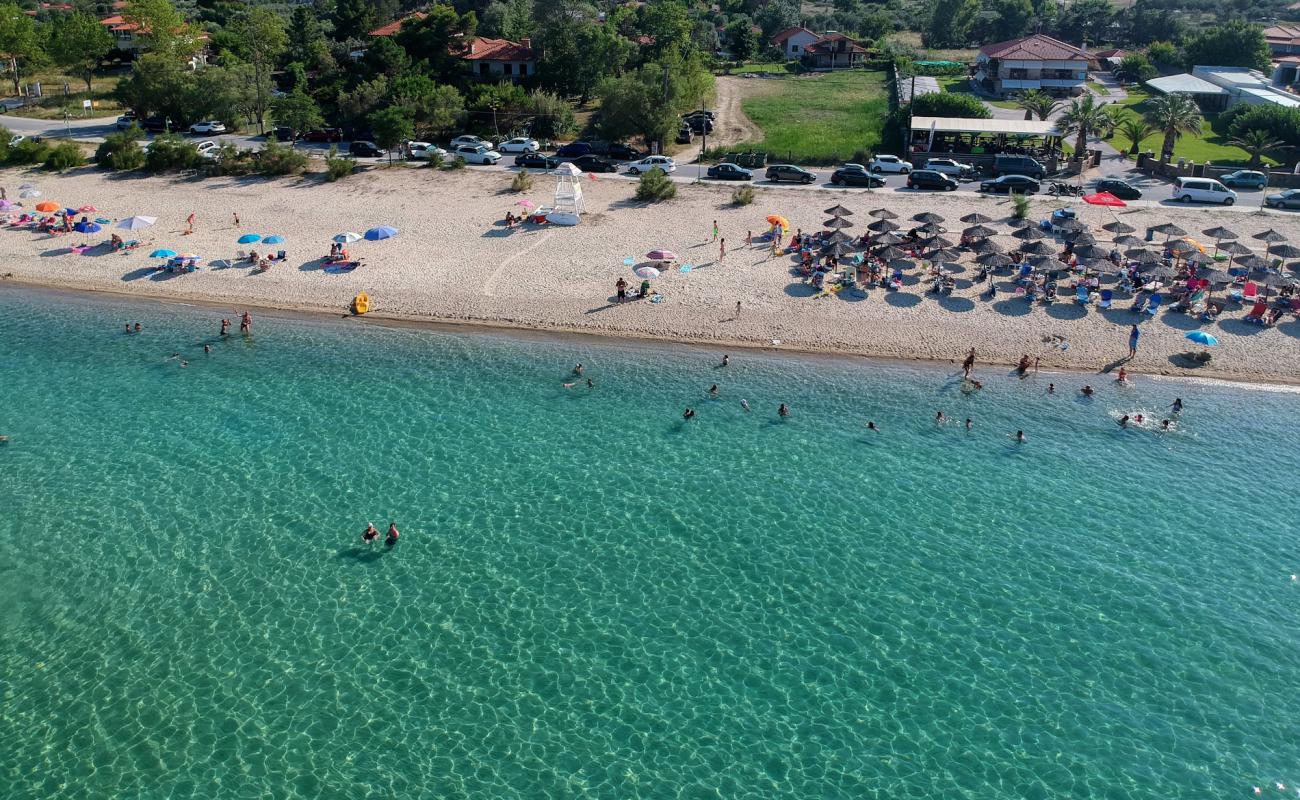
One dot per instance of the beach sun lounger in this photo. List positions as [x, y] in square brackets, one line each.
[1256, 314]
[1104, 301]
[1153, 305]
[1081, 295]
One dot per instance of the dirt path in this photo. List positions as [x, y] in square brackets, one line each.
[731, 126]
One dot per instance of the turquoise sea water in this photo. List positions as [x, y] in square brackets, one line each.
[592, 599]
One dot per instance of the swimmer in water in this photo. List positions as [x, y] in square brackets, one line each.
[590, 385]
[939, 418]
[577, 370]
[128, 327]
[1051, 388]
[1177, 407]
[1020, 436]
[184, 363]
[391, 538]
[744, 404]
[225, 327]
[1123, 421]
[1086, 390]
[137, 327]
[1139, 419]
[370, 534]
[1123, 376]
[570, 385]
[784, 410]
[688, 414]
[871, 426]
[713, 390]
[1166, 425]
[726, 359]
[968, 423]
[207, 348]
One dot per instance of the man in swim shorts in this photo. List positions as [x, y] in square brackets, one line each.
[391, 538]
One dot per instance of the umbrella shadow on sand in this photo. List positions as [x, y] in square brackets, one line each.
[1182, 322]
[800, 289]
[314, 264]
[1014, 307]
[1067, 311]
[903, 299]
[1240, 327]
[1291, 328]
[1187, 360]
[499, 233]
[137, 274]
[956, 304]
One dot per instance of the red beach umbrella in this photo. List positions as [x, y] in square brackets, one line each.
[1104, 199]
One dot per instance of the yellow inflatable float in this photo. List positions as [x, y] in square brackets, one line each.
[361, 303]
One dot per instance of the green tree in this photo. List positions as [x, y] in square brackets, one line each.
[669, 24]
[18, 39]
[1149, 20]
[1173, 115]
[307, 44]
[552, 115]
[1086, 21]
[1037, 102]
[742, 40]
[158, 84]
[297, 110]
[163, 28]
[354, 106]
[950, 104]
[386, 57]
[433, 107]
[949, 23]
[1256, 142]
[578, 55]
[393, 126]
[78, 43]
[517, 21]
[435, 40]
[262, 40]
[1235, 43]
[1001, 20]
[873, 25]
[1281, 123]
[356, 18]
[633, 105]
[1084, 117]
[1134, 130]
[1163, 54]
[1135, 68]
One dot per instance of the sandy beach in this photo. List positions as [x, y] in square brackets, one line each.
[454, 262]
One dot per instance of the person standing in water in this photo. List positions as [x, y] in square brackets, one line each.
[246, 323]
[713, 391]
[968, 363]
[1177, 407]
[783, 411]
[726, 359]
[370, 534]
[391, 538]
[225, 327]
[688, 414]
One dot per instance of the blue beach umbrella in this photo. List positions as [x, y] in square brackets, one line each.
[87, 227]
[273, 239]
[1201, 337]
[382, 232]
[164, 253]
[249, 238]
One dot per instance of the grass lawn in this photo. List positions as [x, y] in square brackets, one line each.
[777, 67]
[1210, 145]
[912, 39]
[53, 104]
[958, 84]
[822, 118]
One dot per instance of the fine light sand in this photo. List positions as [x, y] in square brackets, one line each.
[454, 262]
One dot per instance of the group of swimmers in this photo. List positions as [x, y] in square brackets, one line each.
[371, 534]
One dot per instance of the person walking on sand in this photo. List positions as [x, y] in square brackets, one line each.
[1133, 335]
[189, 224]
[722, 251]
[749, 238]
[967, 364]
[236, 219]
[715, 231]
[776, 241]
[737, 309]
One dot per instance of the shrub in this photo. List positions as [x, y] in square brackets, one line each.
[452, 164]
[5, 136]
[743, 196]
[121, 151]
[522, 181]
[435, 161]
[950, 104]
[1021, 204]
[28, 151]
[654, 186]
[65, 155]
[337, 166]
[229, 160]
[170, 152]
[279, 159]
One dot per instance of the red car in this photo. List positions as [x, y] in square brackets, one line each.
[324, 135]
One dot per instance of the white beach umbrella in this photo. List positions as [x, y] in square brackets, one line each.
[347, 238]
[136, 223]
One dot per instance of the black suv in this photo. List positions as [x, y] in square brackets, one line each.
[856, 176]
[156, 124]
[699, 123]
[590, 163]
[283, 133]
[623, 152]
[361, 147]
[789, 172]
[929, 179]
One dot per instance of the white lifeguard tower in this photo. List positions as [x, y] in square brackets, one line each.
[568, 195]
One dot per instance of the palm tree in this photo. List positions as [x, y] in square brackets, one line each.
[1173, 115]
[1036, 101]
[1135, 130]
[1256, 141]
[1115, 114]
[1083, 118]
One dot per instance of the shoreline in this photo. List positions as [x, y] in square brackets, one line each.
[553, 334]
[454, 265]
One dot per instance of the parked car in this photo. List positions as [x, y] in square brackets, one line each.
[206, 145]
[324, 135]
[125, 121]
[624, 152]
[1288, 199]
[702, 112]
[729, 172]
[468, 139]
[1121, 189]
[950, 166]
[890, 164]
[699, 124]
[594, 163]
[476, 154]
[283, 133]
[685, 135]
[15, 139]
[423, 151]
[652, 162]
[209, 127]
[574, 149]
[1010, 184]
[156, 124]
[1018, 165]
[1203, 190]
[1244, 179]
[856, 175]
[929, 179]
[536, 161]
[361, 147]
[789, 172]
[519, 144]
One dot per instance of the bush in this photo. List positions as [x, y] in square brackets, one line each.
[522, 181]
[654, 186]
[5, 136]
[279, 159]
[65, 155]
[169, 153]
[950, 104]
[452, 164]
[743, 196]
[435, 161]
[28, 151]
[337, 166]
[121, 151]
[1021, 204]
[229, 160]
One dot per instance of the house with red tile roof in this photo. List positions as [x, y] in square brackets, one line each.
[792, 41]
[833, 51]
[1032, 62]
[128, 38]
[393, 27]
[501, 57]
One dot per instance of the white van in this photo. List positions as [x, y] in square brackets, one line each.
[1203, 190]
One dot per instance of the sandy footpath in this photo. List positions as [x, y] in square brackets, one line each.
[453, 262]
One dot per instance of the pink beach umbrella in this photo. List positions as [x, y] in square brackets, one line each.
[661, 255]
[526, 204]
